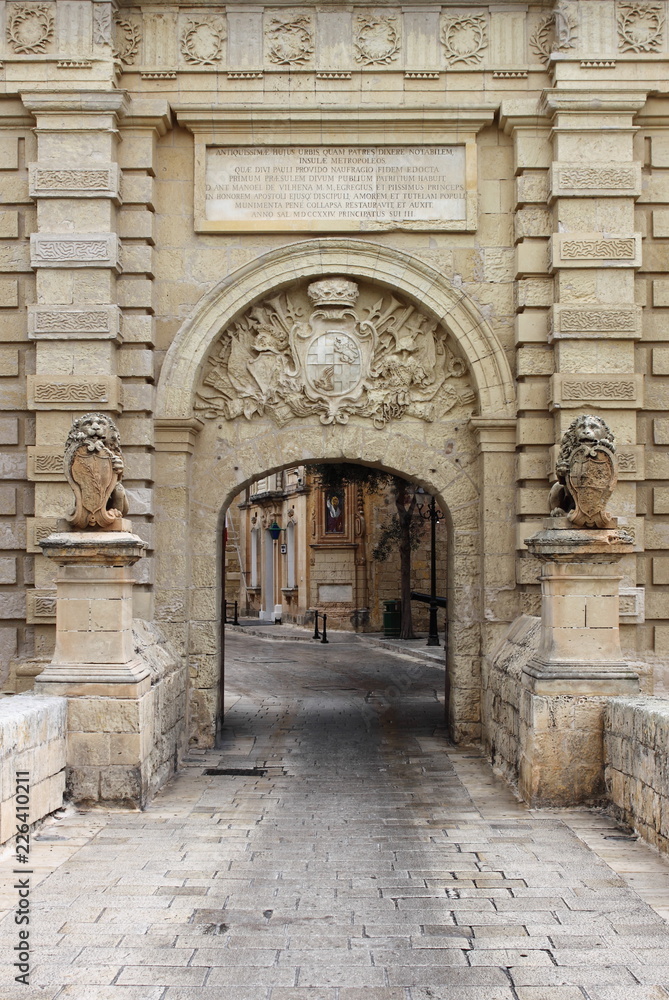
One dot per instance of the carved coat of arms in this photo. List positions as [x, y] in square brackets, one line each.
[381, 360]
[586, 473]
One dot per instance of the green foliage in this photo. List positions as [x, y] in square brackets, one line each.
[332, 475]
[392, 535]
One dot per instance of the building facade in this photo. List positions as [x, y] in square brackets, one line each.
[294, 547]
[422, 235]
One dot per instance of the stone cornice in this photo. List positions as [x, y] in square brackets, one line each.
[295, 124]
[588, 101]
[79, 102]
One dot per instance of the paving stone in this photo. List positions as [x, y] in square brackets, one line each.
[365, 870]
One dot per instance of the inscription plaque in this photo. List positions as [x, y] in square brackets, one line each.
[284, 188]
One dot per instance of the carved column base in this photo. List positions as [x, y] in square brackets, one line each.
[95, 666]
[578, 666]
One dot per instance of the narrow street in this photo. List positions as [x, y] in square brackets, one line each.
[355, 864]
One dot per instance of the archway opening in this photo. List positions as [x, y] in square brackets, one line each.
[333, 552]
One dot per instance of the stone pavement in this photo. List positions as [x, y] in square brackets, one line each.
[369, 861]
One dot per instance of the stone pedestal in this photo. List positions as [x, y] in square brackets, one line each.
[578, 666]
[95, 666]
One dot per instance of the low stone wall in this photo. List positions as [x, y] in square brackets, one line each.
[502, 694]
[32, 739]
[636, 738]
[123, 749]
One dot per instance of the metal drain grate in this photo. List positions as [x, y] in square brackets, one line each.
[253, 772]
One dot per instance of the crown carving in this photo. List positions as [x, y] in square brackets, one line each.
[333, 292]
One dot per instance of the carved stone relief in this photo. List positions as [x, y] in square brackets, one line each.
[94, 469]
[290, 41]
[202, 41]
[464, 38]
[586, 474]
[377, 40]
[597, 177]
[127, 37]
[102, 24]
[29, 27]
[556, 32]
[56, 322]
[620, 249]
[316, 350]
[640, 27]
[81, 250]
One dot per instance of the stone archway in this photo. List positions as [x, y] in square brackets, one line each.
[202, 464]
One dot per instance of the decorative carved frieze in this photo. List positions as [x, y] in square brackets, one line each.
[202, 41]
[464, 39]
[575, 322]
[318, 351]
[640, 26]
[29, 27]
[555, 32]
[423, 74]
[74, 182]
[588, 181]
[127, 39]
[40, 607]
[594, 250]
[74, 64]
[75, 250]
[377, 39]
[63, 393]
[604, 391]
[68, 323]
[45, 465]
[290, 40]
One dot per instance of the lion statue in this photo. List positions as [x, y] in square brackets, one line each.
[586, 474]
[94, 469]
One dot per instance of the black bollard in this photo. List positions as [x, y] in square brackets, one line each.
[225, 613]
[316, 634]
[235, 620]
[325, 629]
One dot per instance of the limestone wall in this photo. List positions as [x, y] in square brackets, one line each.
[636, 738]
[502, 699]
[32, 740]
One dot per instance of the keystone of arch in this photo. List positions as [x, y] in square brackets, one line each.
[353, 258]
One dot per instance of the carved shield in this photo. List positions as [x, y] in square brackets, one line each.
[334, 357]
[591, 480]
[95, 478]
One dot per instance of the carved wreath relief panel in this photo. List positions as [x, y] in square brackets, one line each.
[290, 39]
[29, 27]
[640, 26]
[202, 41]
[334, 349]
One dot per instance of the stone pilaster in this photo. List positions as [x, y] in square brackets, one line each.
[594, 255]
[96, 667]
[578, 665]
[77, 257]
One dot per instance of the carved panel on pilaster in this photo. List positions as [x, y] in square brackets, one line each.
[594, 250]
[63, 393]
[75, 250]
[75, 182]
[98, 322]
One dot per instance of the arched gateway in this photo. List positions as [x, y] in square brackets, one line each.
[422, 388]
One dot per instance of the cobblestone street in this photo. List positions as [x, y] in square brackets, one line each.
[368, 860]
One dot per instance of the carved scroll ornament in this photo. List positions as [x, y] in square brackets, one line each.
[586, 474]
[382, 360]
[94, 469]
[555, 32]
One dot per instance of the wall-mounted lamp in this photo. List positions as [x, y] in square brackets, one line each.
[275, 531]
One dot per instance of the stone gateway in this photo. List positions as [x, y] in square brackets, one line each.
[248, 237]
